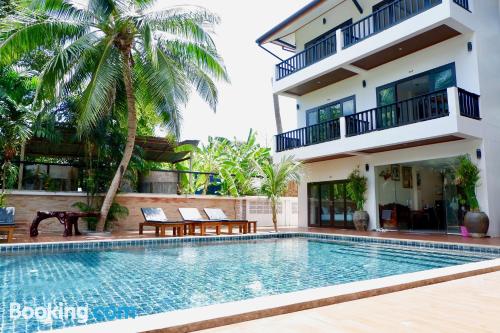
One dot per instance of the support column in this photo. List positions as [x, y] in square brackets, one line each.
[343, 130]
[277, 114]
[340, 40]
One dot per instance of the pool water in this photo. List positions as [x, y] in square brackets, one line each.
[164, 278]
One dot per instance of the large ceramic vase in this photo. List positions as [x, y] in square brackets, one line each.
[477, 224]
[361, 219]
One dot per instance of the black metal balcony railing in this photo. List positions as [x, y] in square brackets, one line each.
[310, 55]
[417, 109]
[384, 18]
[310, 135]
[462, 3]
[469, 104]
[421, 108]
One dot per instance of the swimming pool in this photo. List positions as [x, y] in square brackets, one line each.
[157, 278]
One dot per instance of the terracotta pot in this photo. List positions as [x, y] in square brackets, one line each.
[477, 224]
[361, 219]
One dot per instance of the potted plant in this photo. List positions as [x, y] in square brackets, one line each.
[356, 189]
[467, 176]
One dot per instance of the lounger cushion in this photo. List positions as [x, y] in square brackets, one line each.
[7, 217]
[190, 214]
[154, 215]
[215, 214]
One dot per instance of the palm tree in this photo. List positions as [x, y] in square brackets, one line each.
[114, 53]
[275, 180]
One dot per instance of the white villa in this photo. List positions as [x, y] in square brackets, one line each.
[400, 89]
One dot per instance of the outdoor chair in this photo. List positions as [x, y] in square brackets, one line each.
[193, 216]
[244, 226]
[155, 217]
[7, 224]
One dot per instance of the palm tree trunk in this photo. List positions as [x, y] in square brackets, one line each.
[275, 218]
[129, 147]
[4, 176]
[205, 186]
[277, 113]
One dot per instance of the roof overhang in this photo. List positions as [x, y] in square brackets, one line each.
[280, 34]
[154, 149]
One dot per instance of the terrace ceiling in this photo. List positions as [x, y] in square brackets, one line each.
[419, 143]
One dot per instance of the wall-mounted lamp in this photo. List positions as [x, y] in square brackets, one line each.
[478, 153]
[367, 167]
[324, 20]
[364, 83]
[469, 46]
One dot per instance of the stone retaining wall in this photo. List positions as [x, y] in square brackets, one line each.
[27, 203]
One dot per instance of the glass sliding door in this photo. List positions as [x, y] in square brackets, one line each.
[329, 205]
[326, 205]
[339, 205]
[398, 102]
[313, 204]
[451, 203]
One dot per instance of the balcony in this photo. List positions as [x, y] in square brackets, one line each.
[395, 126]
[309, 56]
[385, 18]
[396, 30]
[421, 108]
[310, 135]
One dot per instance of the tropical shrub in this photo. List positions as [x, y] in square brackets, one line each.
[116, 212]
[356, 188]
[467, 176]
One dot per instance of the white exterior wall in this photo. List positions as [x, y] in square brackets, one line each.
[487, 44]
[477, 71]
[259, 209]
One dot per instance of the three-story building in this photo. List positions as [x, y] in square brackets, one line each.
[400, 89]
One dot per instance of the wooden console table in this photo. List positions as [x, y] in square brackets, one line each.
[68, 219]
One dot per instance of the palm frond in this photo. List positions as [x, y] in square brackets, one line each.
[60, 65]
[205, 58]
[98, 96]
[34, 36]
[189, 23]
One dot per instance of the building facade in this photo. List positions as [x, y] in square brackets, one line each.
[399, 89]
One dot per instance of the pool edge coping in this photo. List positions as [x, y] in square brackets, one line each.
[94, 244]
[256, 308]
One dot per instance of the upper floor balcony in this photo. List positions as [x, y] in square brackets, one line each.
[393, 31]
[454, 114]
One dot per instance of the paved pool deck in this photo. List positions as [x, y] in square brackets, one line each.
[466, 305]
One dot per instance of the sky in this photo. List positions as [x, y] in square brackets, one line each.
[247, 101]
